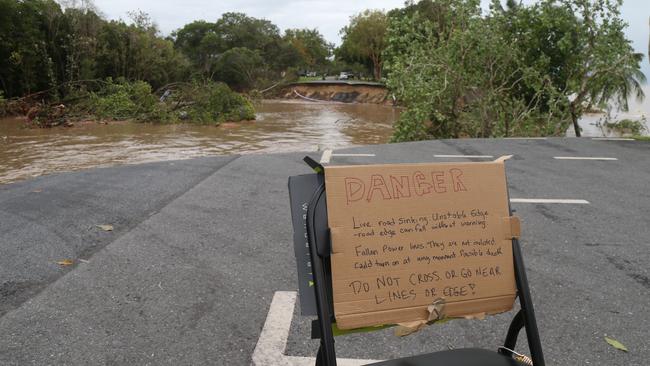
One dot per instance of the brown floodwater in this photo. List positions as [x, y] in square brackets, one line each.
[281, 126]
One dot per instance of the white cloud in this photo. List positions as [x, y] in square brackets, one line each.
[328, 16]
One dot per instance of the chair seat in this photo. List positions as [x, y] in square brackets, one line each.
[456, 357]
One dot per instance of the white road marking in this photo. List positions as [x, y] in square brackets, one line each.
[582, 158]
[465, 156]
[327, 155]
[353, 154]
[272, 343]
[612, 139]
[548, 200]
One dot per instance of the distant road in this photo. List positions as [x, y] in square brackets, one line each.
[340, 82]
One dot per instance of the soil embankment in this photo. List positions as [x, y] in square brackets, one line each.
[337, 91]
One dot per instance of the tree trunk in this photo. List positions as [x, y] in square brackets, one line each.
[574, 119]
[376, 63]
[377, 71]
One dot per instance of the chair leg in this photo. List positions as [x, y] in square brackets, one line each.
[319, 357]
[513, 331]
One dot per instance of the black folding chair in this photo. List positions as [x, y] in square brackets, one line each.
[320, 249]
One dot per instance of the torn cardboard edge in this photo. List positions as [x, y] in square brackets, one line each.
[436, 312]
[436, 316]
[503, 158]
[456, 309]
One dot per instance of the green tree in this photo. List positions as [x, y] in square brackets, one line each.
[137, 52]
[604, 67]
[457, 77]
[80, 48]
[200, 42]
[240, 30]
[313, 49]
[529, 70]
[239, 67]
[29, 35]
[209, 47]
[364, 40]
[581, 47]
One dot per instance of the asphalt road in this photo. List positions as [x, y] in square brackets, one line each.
[200, 247]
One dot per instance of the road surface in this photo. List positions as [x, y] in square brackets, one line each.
[201, 247]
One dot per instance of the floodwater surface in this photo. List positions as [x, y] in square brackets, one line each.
[281, 126]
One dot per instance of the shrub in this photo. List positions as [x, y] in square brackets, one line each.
[207, 102]
[628, 126]
[212, 102]
[123, 100]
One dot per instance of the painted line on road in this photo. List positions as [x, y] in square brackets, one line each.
[582, 158]
[272, 343]
[548, 200]
[465, 156]
[327, 155]
[612, 139]
[353, 154]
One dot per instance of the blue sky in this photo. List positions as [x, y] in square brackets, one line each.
[328, 16]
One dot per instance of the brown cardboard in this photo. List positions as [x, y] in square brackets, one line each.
[407, 235]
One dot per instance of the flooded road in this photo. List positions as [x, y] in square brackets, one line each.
[281, 126]
[592, 124]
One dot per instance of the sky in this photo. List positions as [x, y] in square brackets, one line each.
[327, 16]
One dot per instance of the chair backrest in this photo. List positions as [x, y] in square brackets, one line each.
[320, 249]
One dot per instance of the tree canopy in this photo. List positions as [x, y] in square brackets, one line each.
[518, 70]
[44, 44]
[364, 40]
[314, 51]
[206, 44]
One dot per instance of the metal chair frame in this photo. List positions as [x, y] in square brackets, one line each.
[319, 243]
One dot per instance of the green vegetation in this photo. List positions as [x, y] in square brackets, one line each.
[209, 102]
[204, 102]
[313, 49]
[310, 78]
[58, 63]
[364, 41]
[529, 70]
[519, 70]
[628, 126]
[123, 100]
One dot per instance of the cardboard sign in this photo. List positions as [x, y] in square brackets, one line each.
[407, 236]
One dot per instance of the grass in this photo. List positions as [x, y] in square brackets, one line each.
[309, 78]
[641, 138]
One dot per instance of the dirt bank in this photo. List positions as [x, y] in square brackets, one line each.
[346, 93]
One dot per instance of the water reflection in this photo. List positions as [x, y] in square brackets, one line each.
[281, 126]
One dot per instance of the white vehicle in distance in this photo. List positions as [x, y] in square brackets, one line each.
[345, 76]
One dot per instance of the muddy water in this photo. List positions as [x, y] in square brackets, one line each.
[281, 126]
[639, 110]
